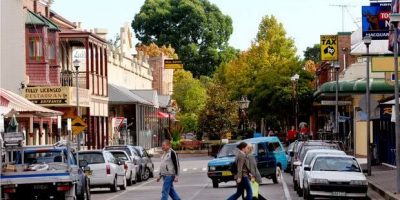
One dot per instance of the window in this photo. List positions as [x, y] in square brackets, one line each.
[261, 149]
[274, 147]
[51, 50]
[35, 48]
[92, 158]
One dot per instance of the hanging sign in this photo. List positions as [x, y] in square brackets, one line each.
[329, 47]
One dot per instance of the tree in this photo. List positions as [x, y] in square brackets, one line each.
[313, 53]
[153, 50]
[190, 96]
[263, 74]
[197, 30]
[220, 113]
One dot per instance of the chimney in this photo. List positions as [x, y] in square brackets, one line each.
[101, 32]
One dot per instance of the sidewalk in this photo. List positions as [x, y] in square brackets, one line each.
[383, 181]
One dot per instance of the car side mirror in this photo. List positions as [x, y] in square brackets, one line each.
[291, 154]
[307, 168]
[83, 163]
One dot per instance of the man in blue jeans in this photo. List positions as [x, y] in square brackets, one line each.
[169, 171]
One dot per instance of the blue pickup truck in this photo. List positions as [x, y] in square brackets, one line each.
[268, 151]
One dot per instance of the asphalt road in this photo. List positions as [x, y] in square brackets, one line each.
[195, 185]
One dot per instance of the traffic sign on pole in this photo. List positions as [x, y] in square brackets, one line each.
[78, 125]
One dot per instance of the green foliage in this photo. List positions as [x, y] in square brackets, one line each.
[197, 30]
[220, 113]
[313, 53]
[263, 73]
[189, 121]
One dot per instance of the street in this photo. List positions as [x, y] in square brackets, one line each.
[195, 185]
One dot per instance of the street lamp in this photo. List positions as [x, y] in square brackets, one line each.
[76, 63]
[367, 42]
[295, 80]
[243, 104]
[336, 67]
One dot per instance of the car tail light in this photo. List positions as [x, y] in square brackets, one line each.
[125, 166]
[63, 188]
[108, 169]
[9, 189]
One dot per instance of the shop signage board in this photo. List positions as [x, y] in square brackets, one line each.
[382, 64]
[376, 20]
[57, 96]
[173, 64]
[329, 47]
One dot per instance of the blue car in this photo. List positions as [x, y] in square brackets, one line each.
[268, 151]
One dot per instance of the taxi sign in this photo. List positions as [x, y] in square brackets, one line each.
[78, 125]
[329, 47]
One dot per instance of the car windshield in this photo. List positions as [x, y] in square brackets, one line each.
[311, 155]
[119, 155]
[305, 149]
[92, 157]
[43, 157]
[119, 148]
[342, 164]
[228, 150]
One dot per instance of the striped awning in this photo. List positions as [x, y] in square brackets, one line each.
[10, 101]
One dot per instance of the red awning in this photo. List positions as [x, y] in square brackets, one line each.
[162, 114]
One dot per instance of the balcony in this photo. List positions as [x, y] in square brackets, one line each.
[68, 78]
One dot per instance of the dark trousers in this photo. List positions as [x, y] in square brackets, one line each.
[243, 185]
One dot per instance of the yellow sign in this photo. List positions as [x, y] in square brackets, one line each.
[78, 125]
[47, 95]
[173, 64]
[329, 47]
[382, 64]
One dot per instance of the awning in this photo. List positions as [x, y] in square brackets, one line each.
[377, 86]
[32, 18]
[122, 95]
[10, 101]
[162, 114]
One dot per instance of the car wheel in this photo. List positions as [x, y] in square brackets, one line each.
[307, 195]
[129, 181]
[114, 186]
[215, 184]
[146, 174]
[123, 187]
[139, 176]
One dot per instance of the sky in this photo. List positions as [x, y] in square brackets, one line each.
[303, 20]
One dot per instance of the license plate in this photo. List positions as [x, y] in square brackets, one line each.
[226, 173]
[88, 173]
[339, 194]
[40, 187]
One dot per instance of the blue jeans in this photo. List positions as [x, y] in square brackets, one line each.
[244, 184]
[168, 188]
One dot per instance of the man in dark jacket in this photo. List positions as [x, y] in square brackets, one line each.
[169, 171]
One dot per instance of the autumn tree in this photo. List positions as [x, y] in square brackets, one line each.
[153, 50]
[197, 29]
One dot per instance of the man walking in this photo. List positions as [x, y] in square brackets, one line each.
[169, 171]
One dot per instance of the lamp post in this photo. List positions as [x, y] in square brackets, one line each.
[78, 112]
[243, 104]
[395, 19]
[367, 42]
[336, 133]
[295, 80]
[170, 109]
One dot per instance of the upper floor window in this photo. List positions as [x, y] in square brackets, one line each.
[35, 48]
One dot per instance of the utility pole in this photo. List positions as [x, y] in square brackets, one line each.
[344, 8]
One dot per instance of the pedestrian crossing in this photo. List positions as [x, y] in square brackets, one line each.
[195, 169]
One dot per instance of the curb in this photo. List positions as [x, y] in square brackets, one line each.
[384, 193]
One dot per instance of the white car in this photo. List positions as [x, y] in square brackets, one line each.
[337, 176]
[106, 171]
[310, 155]
[129, 166]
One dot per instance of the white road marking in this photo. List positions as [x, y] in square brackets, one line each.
[204, 169]
[131, 189]
[198, 192]
[285, 189]
[185, 170]
[194, 168]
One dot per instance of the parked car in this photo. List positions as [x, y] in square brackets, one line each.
[147, 166]
[106, 171]
[290, 149]
[135, 156]
[335, 176]
[268, 152]
[294, 153]
[310, 155]
[306, 146]
[129, 166]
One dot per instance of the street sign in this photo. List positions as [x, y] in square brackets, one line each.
[329, 47]
[78, 125]
[376, 20]
[173, 64]
[13, 138]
